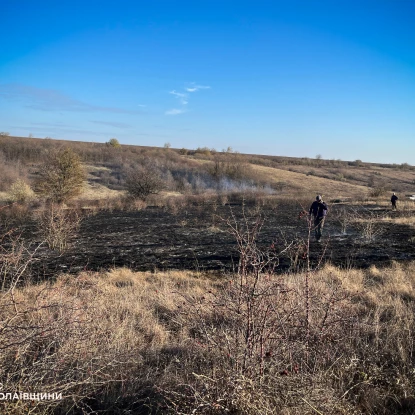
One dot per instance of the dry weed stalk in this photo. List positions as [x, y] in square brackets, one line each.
[369, 224]
[58, 225]
[344, 217]
[15, 259]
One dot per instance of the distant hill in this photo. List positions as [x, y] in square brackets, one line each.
[204, 169]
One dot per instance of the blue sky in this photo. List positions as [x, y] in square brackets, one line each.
[294, 78]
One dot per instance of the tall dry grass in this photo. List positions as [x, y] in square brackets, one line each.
[125, 342]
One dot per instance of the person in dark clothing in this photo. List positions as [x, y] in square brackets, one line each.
[319, 210]
[394, 198]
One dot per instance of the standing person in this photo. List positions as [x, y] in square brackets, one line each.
[319, 210]
[394, 198]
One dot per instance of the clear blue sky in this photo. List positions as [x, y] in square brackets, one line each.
[293, 78]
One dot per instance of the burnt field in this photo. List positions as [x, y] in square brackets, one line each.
[198, 238]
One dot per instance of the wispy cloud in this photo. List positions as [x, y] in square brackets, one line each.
[181, 96]
[175, 111]
[194, 88]
[52, 100]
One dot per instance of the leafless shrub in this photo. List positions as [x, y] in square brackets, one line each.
[378, 191]
[144, 181]
[343, 216]
[58, 226]
[261, 334]
[369, 224]
[295, 250]
[15, 259]
[206, 151]
[231, 166]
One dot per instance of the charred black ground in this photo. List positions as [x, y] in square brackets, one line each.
[198, 238]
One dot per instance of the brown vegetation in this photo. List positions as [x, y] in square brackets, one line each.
[58, 226]
[143, 181]
[61, 177]
[20, 192]
[204, 169]
[184, 343]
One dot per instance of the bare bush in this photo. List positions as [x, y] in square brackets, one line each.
[230, 166]
[378, 191]
[344, 217]
[144, 181]
[369, 224]
[58, 226]
[15, 259]
[256, 331]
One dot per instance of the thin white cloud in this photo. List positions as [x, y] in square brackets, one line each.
[181, 96]
[194, 87]
[175, 111]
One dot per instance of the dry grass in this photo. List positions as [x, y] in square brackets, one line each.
[410, 221]
[4, 197]
[89, 334]
[302, 183]
[400, 180]
[96, 191]
[130, 342]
